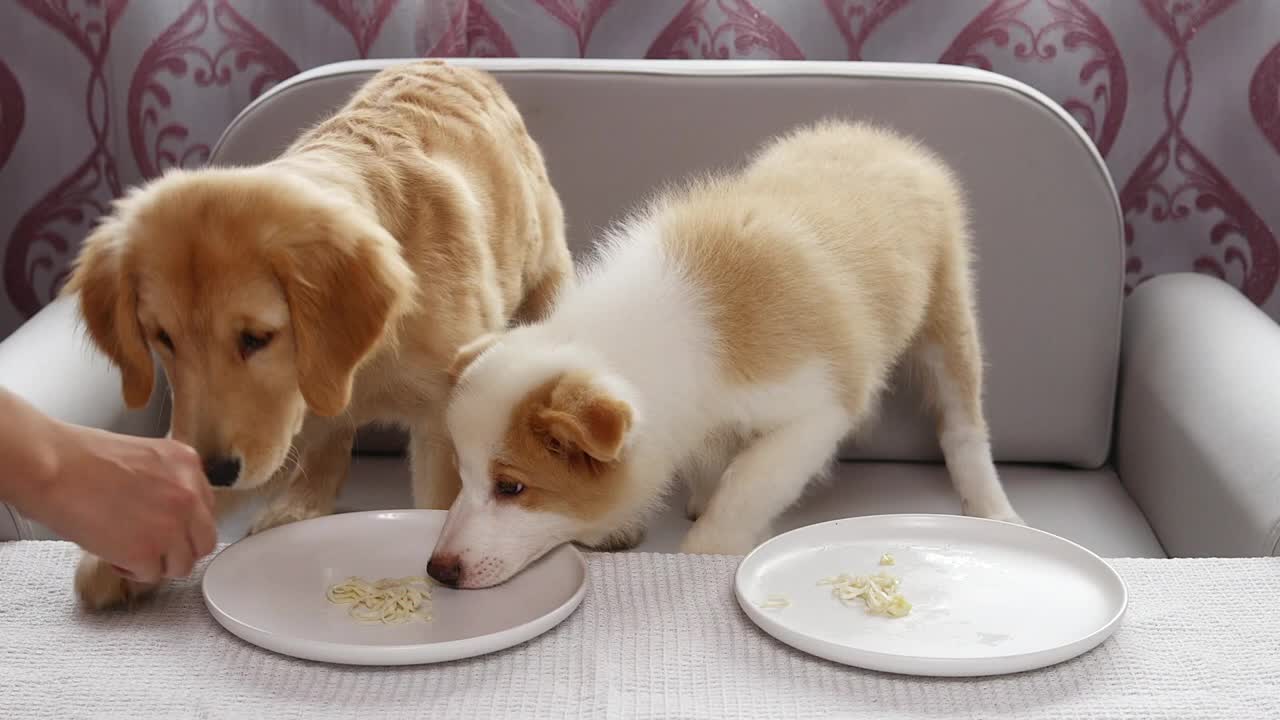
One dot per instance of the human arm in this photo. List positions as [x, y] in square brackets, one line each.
[141, 504]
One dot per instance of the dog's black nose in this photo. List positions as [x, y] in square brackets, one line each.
[222, 471]
[445, 569]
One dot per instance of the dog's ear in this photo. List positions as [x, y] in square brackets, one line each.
[582, 416]
[345, 282]
[468, 353]
[108, 297]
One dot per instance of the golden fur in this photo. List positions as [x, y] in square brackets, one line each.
[293, 301]
[563, 442]
[775, 248]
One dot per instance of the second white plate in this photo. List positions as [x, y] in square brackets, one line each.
[988, 597]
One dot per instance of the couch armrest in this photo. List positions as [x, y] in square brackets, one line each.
[51, 364]
[12, 525]
[1198, 443]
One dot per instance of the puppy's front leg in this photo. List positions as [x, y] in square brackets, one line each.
[702, 471]
[763, 480]
[313, 488]
[99, 586]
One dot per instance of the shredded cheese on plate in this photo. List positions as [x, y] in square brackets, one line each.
[392, 600]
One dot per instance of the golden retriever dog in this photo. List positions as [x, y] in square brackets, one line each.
[732, 334]
[291, 302]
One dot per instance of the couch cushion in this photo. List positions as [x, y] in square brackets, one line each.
[1046, 221]
[1089, 507]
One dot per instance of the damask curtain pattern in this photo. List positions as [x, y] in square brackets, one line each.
[1181, 96]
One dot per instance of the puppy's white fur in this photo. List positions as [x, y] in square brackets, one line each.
[736, 332]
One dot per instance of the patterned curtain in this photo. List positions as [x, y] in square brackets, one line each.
[1181, 96]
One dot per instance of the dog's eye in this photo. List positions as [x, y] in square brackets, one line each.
[251, 343]
[165, 340]
[507, 486]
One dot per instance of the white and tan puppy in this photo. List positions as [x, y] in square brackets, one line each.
[292, 301]
[733, 333]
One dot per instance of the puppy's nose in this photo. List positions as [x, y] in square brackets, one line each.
[445, 569]
[222, 471]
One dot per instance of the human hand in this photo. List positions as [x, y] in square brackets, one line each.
[143, 505]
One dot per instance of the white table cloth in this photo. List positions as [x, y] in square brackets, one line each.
[657, 636]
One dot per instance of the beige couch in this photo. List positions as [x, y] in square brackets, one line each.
[1142, 428]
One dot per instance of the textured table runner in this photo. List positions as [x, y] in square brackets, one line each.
[657, 636]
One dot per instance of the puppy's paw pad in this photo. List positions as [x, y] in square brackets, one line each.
[99, 586]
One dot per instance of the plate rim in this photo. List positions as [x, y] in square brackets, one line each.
[408, 654]
[892, 663]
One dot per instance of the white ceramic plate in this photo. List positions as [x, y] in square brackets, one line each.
[269, 589]
[988, 597]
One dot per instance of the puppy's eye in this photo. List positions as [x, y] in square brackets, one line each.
[163, 338]
[508, 487]
[251, 343]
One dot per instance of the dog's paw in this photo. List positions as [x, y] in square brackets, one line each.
[620, 540]
[704, 540]
[99, 586]
[993, 511]
[274, 516]
[1009, 517]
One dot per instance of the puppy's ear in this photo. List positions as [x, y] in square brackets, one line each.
[581, 416]
[108, 297]
[468, 353]
[345, 282]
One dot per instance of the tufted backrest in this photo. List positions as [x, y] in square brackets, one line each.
[1047, 225]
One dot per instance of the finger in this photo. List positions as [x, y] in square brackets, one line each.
[203, 534]
[179, 559]
[205, 490]
[184, 455]
[144, 572]
[193, 473]
[195, 554]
